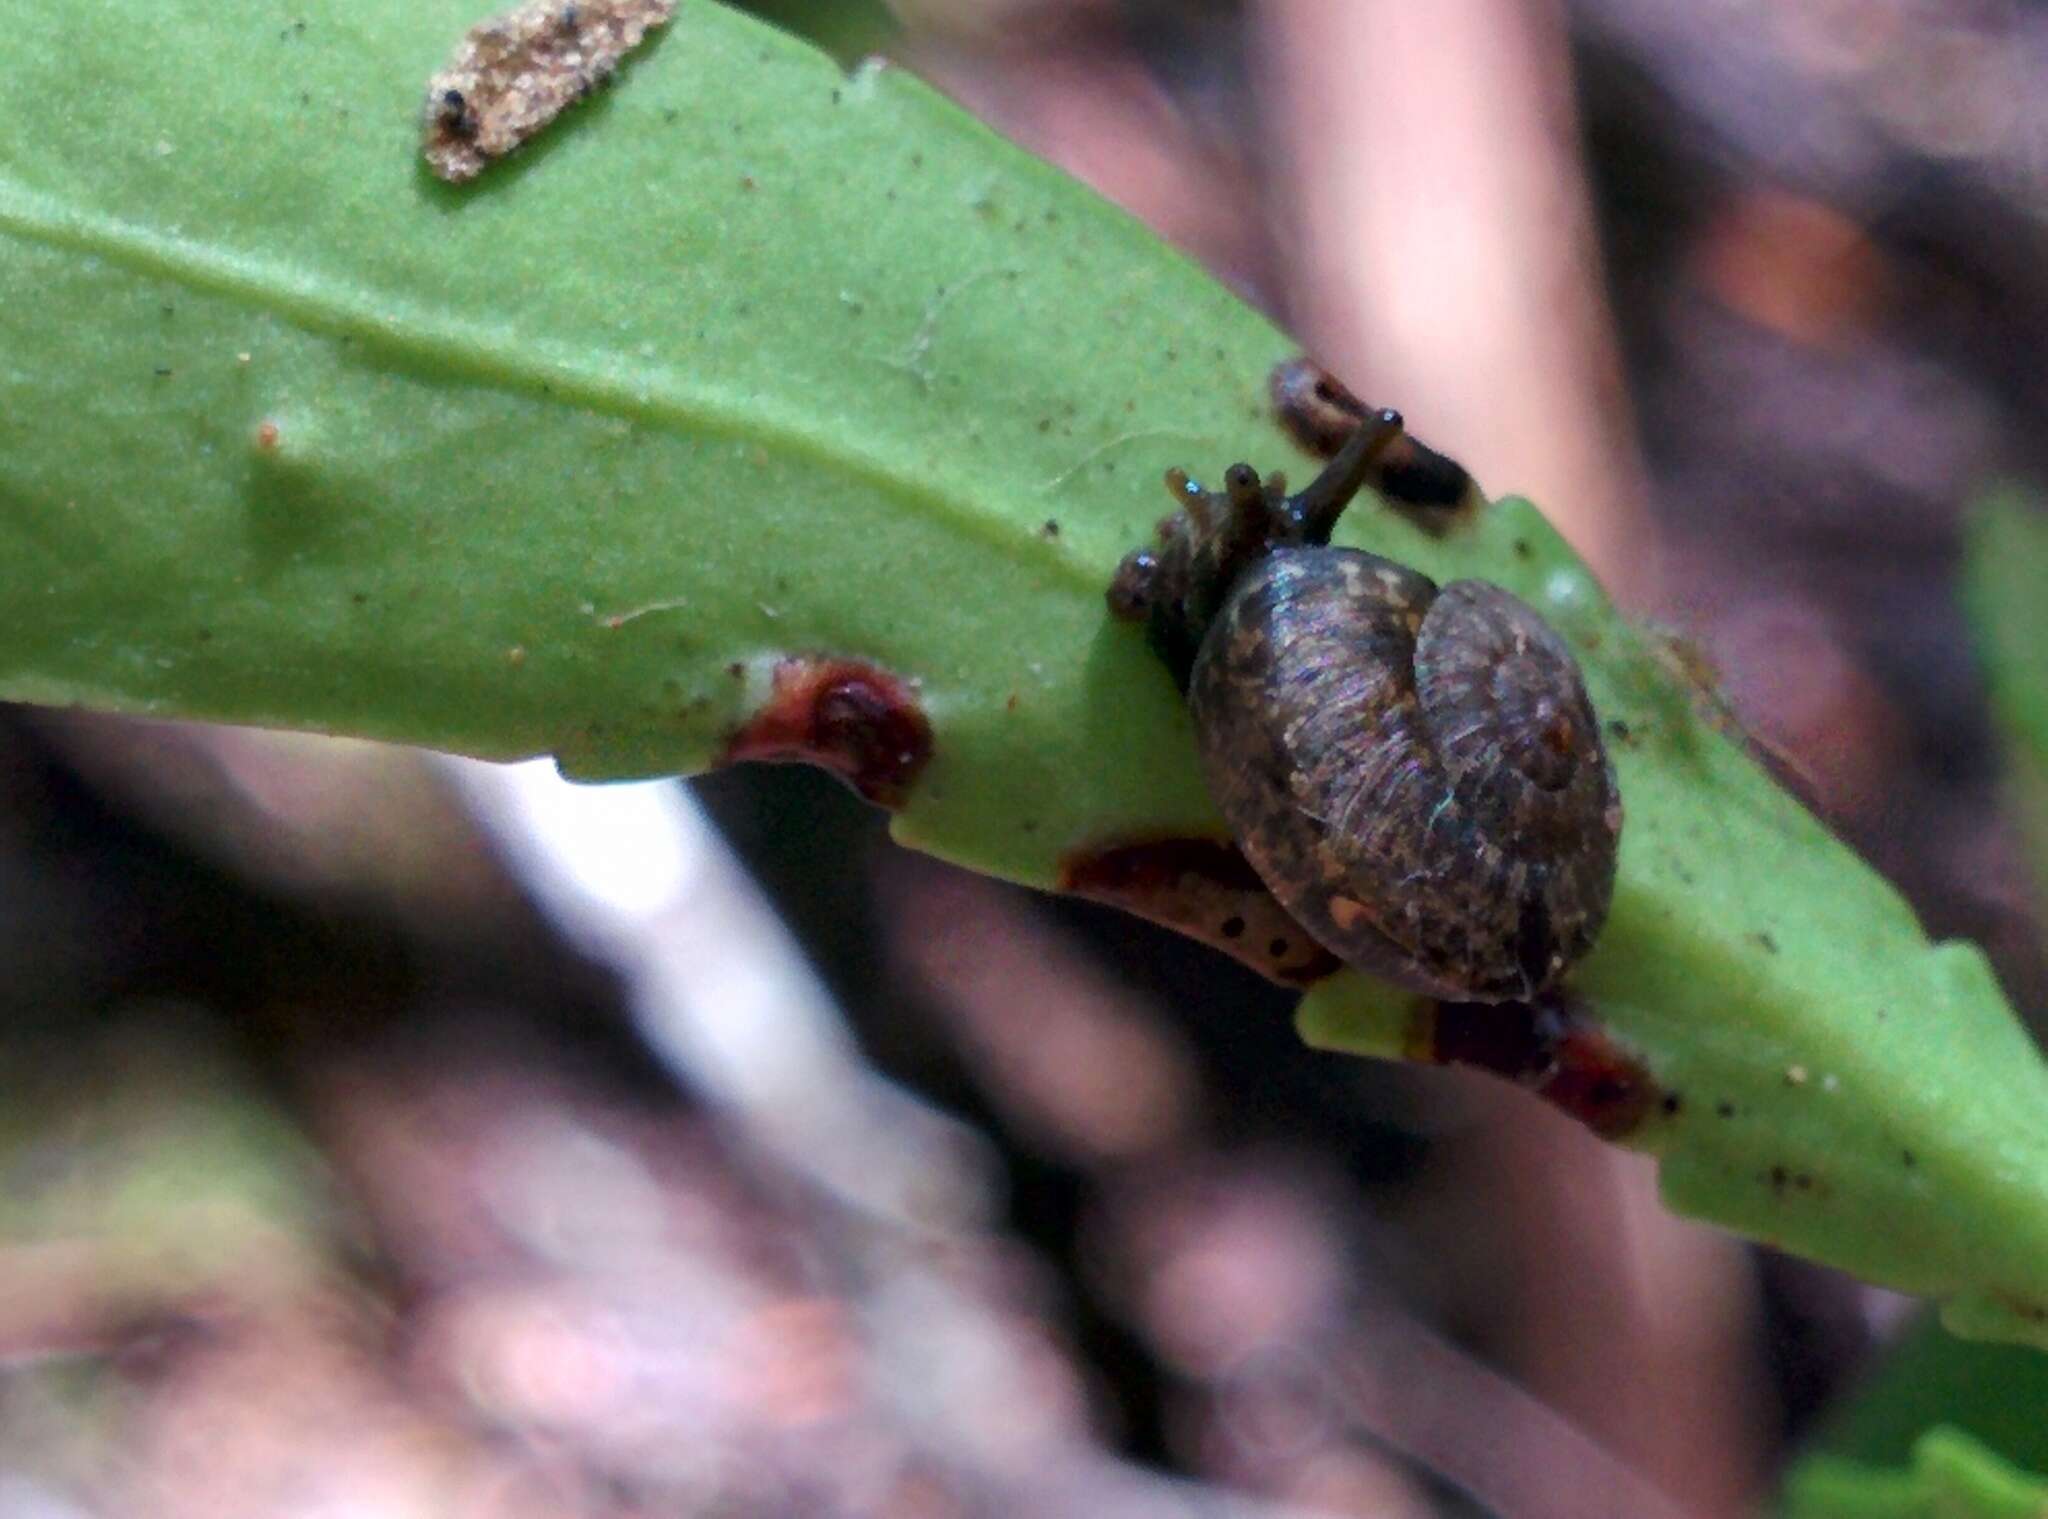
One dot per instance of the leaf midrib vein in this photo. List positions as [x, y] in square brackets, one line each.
[460, 349]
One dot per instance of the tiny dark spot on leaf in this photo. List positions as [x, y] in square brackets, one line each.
[1233, 928]
[1765, 942]
[1051, 528]
[1909, 1158]
[1725, 1109]
[1672, 1104]
[1522, 549]
[1620, 730]
[1779, 1177]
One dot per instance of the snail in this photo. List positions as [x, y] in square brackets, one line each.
[1414, 771]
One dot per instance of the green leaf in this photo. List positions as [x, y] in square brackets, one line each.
[847, 29]
[1938, 1420]
[2005, 567]
[1995, 1394]
[1951, 1477]
[1843, 1089]
[746, 359]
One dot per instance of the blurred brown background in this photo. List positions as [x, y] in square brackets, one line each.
[342, 1170]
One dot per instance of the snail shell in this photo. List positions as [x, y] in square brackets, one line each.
[1415, 772]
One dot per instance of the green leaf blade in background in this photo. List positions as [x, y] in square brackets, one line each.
[1938, 1427]
[2005, 589]
[748, 358]
[1950, 1476]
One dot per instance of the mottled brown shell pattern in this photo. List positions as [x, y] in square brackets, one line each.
[1416, 774]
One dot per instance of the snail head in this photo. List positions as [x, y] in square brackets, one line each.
[1177, 589]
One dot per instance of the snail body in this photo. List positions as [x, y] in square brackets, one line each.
[1414, 771]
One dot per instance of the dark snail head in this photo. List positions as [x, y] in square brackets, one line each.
[1416, 773]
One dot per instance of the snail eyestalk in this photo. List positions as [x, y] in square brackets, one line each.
[1322, 501]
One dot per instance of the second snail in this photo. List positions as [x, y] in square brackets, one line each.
[1414, 771]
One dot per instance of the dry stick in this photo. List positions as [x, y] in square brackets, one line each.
[1441, 244]
[1445, 264]
[1403, 1385]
